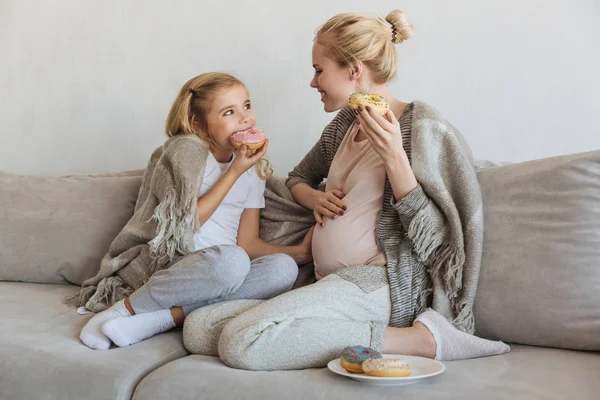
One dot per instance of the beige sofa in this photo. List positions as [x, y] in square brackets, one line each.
[539, 286]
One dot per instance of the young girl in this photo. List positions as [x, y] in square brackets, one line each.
[399, 226]
[229, 260]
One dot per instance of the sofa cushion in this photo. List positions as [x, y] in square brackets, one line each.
[540, 275]
[56, 230]
[527, 373]
[41, 356]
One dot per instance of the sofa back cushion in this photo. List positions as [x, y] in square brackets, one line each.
[56, 230]
[540, 275]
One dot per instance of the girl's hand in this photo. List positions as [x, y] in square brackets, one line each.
[243, 161]
[383, 133]
[329, 204]
[304, 255]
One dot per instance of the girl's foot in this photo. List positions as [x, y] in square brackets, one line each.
[91, 335]
[135, 328]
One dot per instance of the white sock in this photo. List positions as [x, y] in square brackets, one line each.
[129, 330]
[453, 344]
[92, 336]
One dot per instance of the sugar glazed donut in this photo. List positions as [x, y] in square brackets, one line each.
[376, 102]
[386, 367]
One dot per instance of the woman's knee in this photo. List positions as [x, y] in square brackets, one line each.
[203, 326]
[239, 348]
[232, 347]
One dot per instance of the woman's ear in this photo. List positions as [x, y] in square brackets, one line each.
[355, 71]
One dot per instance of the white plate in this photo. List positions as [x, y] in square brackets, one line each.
[420, 368]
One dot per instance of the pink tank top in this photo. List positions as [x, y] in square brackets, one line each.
[358, 171]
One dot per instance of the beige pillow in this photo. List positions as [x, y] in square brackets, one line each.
[56, 230]
[540, 275]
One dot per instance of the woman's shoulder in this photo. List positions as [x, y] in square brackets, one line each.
[428, 124]
[429, 119]
[423, 111]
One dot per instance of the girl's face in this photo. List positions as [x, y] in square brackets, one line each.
[230, 112]
[334, 83]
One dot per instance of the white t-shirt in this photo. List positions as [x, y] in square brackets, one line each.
[247, 192]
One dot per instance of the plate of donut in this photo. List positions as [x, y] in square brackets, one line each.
[419, 368]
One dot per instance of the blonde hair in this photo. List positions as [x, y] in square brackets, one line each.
[351, 38]
[192, 104]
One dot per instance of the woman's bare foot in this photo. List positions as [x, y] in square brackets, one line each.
[414, 341]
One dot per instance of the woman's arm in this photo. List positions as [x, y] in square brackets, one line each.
[304, 180]
[249, 240]
[421, 218]
[308, 174]
[305, 195]
[311, 170]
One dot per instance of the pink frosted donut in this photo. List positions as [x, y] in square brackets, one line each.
[253, 138]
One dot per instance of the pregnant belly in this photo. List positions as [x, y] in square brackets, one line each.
[347, 240]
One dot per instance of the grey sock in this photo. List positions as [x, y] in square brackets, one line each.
[453, 344]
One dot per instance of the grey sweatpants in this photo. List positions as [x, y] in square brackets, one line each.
[304, 328]
[212, 275]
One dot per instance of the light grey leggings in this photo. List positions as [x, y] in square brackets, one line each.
[304, 328]
[212, 275]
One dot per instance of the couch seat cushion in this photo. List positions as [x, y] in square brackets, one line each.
[41, 356]
[525, 373]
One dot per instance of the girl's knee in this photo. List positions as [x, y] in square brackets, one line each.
[283, 273]
[230, 265]
[287, 270]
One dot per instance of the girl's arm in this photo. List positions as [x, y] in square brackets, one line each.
[249, 240]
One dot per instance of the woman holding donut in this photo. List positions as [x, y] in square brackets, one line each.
[398, 240]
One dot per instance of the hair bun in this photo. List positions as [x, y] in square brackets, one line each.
[401, 29]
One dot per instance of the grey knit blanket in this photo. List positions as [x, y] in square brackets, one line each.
[161, 228]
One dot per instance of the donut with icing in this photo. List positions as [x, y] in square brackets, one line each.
[253, 138]
[352, 357]
[386, 367]
[374, 100]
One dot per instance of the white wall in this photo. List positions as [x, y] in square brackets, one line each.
[85, 85]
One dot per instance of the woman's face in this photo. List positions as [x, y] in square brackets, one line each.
[333, 82]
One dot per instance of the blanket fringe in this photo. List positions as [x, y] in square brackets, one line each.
[446, 259]
[173, 216]
[465, 320]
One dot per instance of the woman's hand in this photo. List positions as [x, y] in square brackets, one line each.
[383, 133]
[328, 204]
[244, 161]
